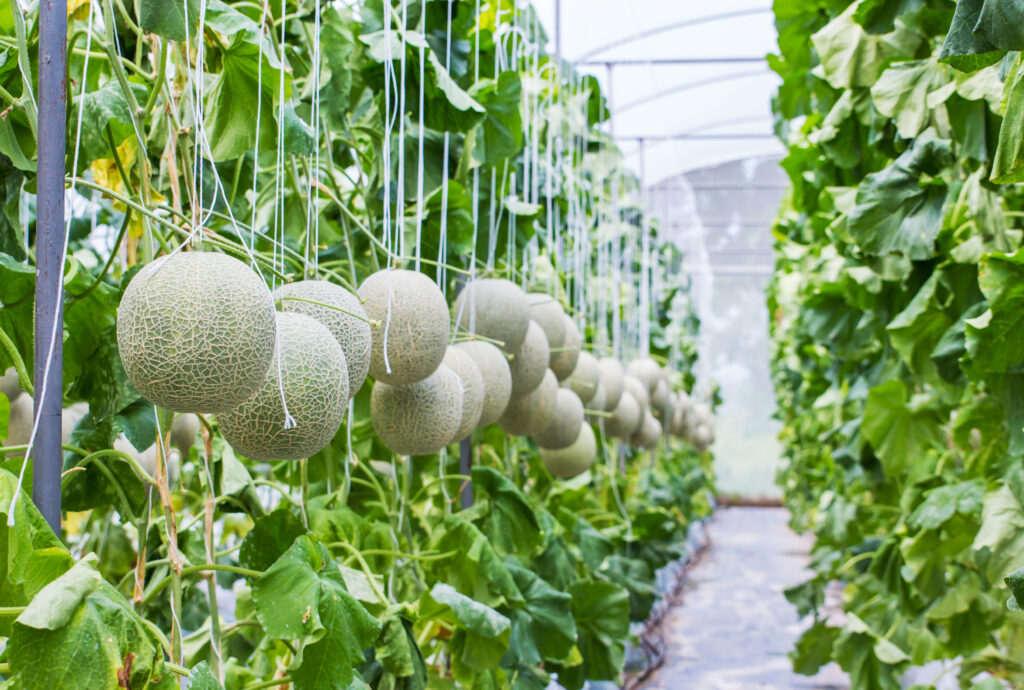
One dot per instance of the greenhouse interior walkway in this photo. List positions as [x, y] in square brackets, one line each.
[734, 627]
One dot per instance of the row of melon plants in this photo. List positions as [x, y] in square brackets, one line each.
[896, 315]
[311, 249]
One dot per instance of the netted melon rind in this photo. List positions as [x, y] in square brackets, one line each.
[530, 412]
[549, 315]
[418, 418]
[416, 329]
[574, 460]
[352, 332]
[530, 362]
[625, 419]
[494, 308]
[464, 366]
[315, 380]
[649, 433]
[636, 388]
[564, 357]
[585, 377]
[647, 371]
[563, 426]
[612, 373]
[497, 378]
[196, 332]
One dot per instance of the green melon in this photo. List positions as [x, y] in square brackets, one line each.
[660, 396]
[311, 368]
[344, 317]
[625, 419]
[549, 315]
[530, 412]
[647, 371]
[196, 331]
[494, 308]
[596, 404]
[530, 361]
[637, 389]
[464, 366]
[183, 433]
[19, 424]
[612, 373]
[563, 426]
[415, 327]
[418, 418]
[585, 377]
[563, 358]
[649, 433]
[702, 438]
[9, 385]
[574, 460]
[497, 378]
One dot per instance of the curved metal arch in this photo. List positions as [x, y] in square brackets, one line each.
[689, 85]
[696, 21]
[703, 127]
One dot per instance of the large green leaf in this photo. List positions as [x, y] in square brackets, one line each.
[900, 429]
[509, 521]
[964, 49]
[850, 56]
[901, 93]
[168, 18]
[481, 636]
[500, 135]
[474, 569]
[1002, 532]
[601, 610]
[542, 626]
[993, 338]
[1009, 160]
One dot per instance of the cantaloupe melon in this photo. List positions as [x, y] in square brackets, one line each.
[530, 412]
[147, 458]
[344, 317]
[196, 331]
[497, 378]
[183, 433]
[649, 433]
[529, 362]
[574, 460]
[19, 424]
[612, 372]
[549, 315]
[647, 371]
[703, 437]
[418, 418]
[637, 389]
[315, 381]
[596, 404]
[494, 308]
[416, 326]
[584, 378]
[472, 381]
[564, 357]
[625, 419]
[563, 426]
[660, 395]
[9, 385]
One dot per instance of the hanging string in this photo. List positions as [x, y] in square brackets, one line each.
[313, 189]
[419, 143]
[400, 186]
[442, 244]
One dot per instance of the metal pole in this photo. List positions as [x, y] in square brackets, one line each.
[465, 468]
[49, 312]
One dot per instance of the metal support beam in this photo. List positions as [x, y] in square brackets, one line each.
[746, 59]
[49, 313]
[697, 137]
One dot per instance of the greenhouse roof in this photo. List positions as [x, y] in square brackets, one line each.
[687, 82]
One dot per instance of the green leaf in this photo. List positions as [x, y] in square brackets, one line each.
[500, 135]
[475, 616]
[900, 430]
[396, 649]
[509, 521]
[1002, 23]
[901, 93]
[963, 49]
[168, 18]
[106, 106]
[542, 627]
[814, 648]
[269, 538]
[601, 610]
[202, 678]
[55, 603]
[481, 636]
[993, 337]
[1002, 532]
[1015, 581]
[476, 570]
[896, 211]
[1009, 161]
[303, 596]
[12, 237]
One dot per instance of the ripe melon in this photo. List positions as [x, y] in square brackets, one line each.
[147, 458]
[416, 326]
[183, 433]
[530, 361]
[9, 384]
[574, 460]
[563, 426]
[353, 333]
[625, 419]
[612, 373]
[646, 370]
[531, 412]
[494, 308]
[584, 378]
[660, 395]
[563, 358]
[649, 433]
[637, 389]
[702, 438]
[196, 332]
[497, 378]
[315, 380]
[549, 315]
[596, 404]
[472, 381]
[418, 418]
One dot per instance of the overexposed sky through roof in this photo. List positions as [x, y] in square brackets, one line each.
[723, 107]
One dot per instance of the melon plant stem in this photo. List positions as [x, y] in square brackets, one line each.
[19, 364]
